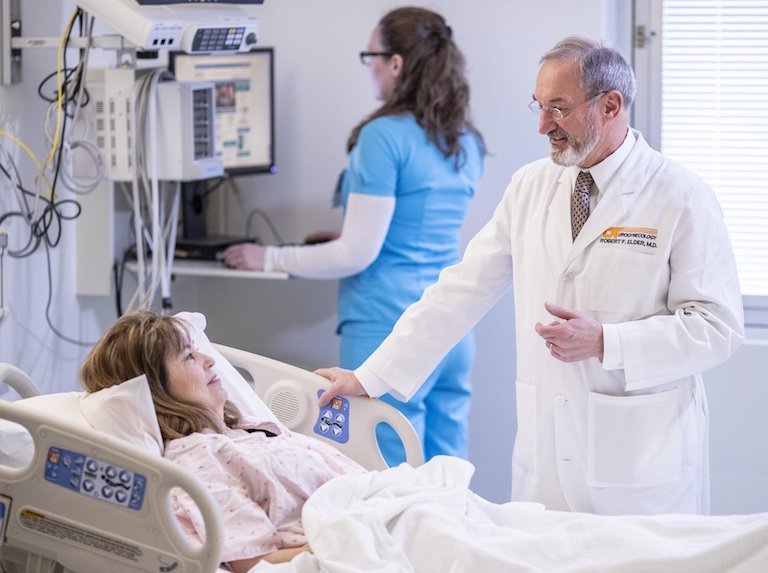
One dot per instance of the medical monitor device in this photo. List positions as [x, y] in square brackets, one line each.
[185, 126]
[244, 105]
[244, 131]
[202, 26]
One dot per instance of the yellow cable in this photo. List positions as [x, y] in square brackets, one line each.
[60, 88]
[23, 145]
[29, 152]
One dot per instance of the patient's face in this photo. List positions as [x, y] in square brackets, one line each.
[191, 377]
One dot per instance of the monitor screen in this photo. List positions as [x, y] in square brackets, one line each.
[244, 105]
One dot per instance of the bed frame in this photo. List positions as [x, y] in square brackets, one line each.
[48, 525]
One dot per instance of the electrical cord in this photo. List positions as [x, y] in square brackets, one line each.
[264, 217]
[60, 64]
[155, 210]
[44, 214]
[76, 97]
[48, 306]
[252, 213]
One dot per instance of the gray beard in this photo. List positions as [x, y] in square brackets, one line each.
[576, 152]
[569, 156]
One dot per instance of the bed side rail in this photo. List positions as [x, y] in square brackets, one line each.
[18, 380]
[291, 393]
[95, 504]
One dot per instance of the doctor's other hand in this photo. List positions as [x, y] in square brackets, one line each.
[244, 256]
[343, 383]
[575, 337]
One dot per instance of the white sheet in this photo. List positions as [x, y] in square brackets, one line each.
[426, 520]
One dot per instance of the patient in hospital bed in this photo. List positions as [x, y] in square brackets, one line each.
[279, 491]
[259, 472]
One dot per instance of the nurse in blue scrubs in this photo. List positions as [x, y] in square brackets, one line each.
[414, 166]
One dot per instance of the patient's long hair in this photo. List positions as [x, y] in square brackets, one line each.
[138, 343]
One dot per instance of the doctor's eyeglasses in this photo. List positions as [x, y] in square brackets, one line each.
[557, 113]
[366, 58]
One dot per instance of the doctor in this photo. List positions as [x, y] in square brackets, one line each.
[615, 319]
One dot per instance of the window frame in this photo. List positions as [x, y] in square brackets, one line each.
[646, 116]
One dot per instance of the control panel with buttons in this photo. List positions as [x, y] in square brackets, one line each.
[333, 420]
[218, 39]
[95, 478]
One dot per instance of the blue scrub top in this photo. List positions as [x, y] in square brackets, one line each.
[394, 158]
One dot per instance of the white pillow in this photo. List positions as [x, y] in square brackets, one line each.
[61, 405]
[16, 444]
[238, 389]
[125, 411]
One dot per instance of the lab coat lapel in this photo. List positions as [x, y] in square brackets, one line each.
[618, 198]
[560, 210]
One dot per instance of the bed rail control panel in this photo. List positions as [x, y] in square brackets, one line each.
[333, 420]
[95, 478]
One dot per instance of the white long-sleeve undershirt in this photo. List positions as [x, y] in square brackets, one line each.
[365, 227]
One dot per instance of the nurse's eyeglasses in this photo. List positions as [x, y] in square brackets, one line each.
[366, 58]
[557, 113]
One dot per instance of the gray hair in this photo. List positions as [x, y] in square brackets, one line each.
[601, 68]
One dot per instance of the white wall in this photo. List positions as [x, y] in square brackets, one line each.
[737, 393]
[322, 91]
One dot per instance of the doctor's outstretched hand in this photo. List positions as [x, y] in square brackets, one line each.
[576, 336]
[343, 382]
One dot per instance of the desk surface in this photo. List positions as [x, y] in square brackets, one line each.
[216, 269]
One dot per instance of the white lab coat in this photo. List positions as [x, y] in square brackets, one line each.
[629, 440]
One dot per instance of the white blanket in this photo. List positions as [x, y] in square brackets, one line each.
[427, 520]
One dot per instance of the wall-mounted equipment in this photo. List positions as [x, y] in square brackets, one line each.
[10, 27]
[185, 126]
[192, 27]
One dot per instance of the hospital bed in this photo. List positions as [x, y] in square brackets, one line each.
[415, 517]
[83, 489]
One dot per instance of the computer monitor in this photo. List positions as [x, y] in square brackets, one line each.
[245, 125]
[244, 105]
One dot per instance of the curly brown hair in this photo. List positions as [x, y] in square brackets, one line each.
[140, 342]
[432, 85]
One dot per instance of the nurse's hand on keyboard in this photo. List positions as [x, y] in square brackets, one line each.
[343, 382]
[244, 256]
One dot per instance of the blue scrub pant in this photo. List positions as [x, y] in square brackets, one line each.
[439, 411]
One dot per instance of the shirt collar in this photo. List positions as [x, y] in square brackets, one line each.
[603, 172]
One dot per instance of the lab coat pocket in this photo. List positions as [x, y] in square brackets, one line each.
[634, 441]
[525, 439]
[622, 282]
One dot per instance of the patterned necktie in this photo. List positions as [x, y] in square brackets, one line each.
[580, 202]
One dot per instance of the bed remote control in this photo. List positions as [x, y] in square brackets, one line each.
[333, 420]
